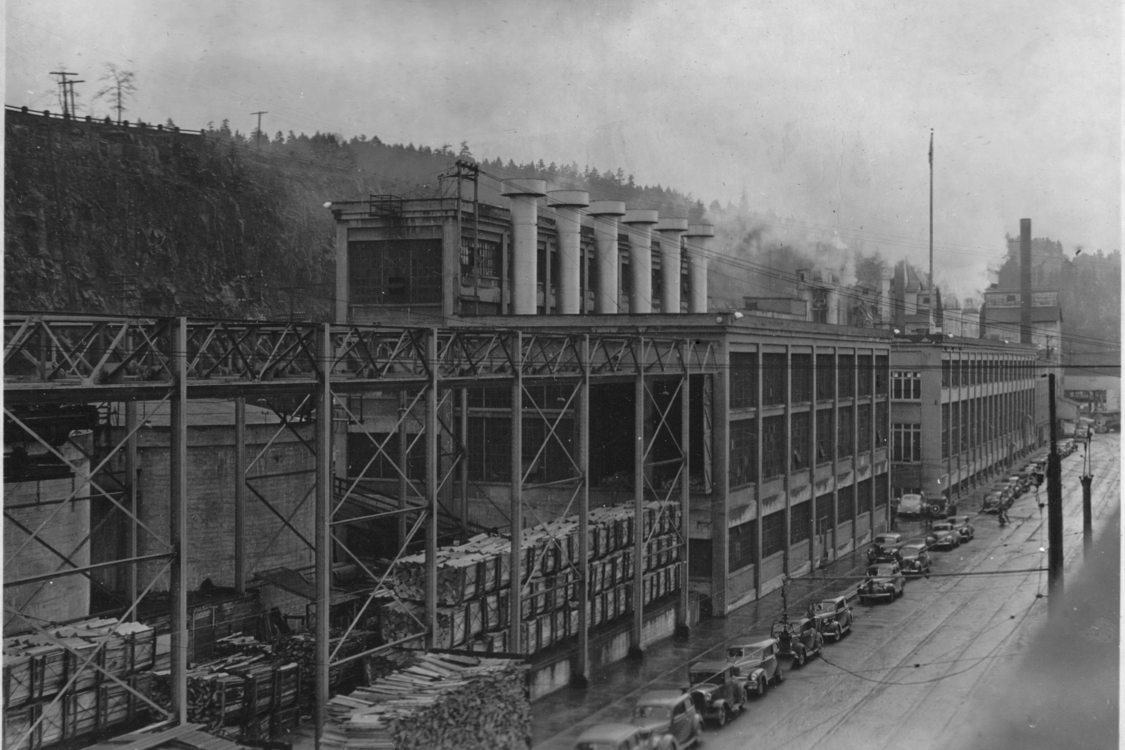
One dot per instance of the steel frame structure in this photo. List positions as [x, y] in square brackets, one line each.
[94, 359]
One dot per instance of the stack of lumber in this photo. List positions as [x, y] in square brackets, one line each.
[437, 701]
[301, 648]
[474, 581]
[75, 679]
[246, 692]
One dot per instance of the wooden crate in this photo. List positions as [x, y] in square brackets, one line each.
[17, 722]
[17, 679]
[48, 669]
[80, 713]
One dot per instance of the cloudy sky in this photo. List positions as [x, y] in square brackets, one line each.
[816, 110]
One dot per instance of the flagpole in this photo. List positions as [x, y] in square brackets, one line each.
[931, 221]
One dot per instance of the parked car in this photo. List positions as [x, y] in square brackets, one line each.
[798, 639]
[910, 504]
[996, 501]
[833, 617]
[617, 737]
[671, 717]
[883, 547]
[946, 535]
[915, 558]
[1019, 484]
[964, 527]
[717, 691]
[758, 665]
[884, 581]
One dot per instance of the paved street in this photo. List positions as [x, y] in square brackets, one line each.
[955, 658]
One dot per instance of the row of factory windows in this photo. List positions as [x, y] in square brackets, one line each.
[869, 496]
[965, 424]
[970, 422]
[959, 372]
[853, 429]
[846, 375]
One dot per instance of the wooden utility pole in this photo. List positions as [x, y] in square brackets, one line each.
[66, 92]
[1054, 505]
[258, 130]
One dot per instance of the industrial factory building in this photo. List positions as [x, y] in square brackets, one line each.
[963, 409]
[786, 427]
[527, 433]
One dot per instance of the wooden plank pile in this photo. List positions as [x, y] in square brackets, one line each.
[474, 581]
[250, 693]
[75, 680]
[436, 701]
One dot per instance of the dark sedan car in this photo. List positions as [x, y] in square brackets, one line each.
[946, 535]
[915, 558]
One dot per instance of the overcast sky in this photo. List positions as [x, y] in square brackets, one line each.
[816, 110]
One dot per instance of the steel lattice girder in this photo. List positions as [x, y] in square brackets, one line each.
[102, 359]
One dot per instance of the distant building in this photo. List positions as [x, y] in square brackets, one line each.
[1001, 314]
[961, 410]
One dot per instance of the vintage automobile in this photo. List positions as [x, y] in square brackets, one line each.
[996, 501]
[798, 639]
[946, 535]
[1019, 484]
[618, 737]
[883, 547]
[671, 717]
[964, 527]
[884, 581]
[717, 690]
[915, 558]
[758, 665]
[833, 616]
[911, 504]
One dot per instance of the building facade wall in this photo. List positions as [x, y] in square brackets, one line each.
[808, 470]
[59, 510]
[282, 474]
[974, 409]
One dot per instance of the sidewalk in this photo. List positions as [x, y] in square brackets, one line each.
[557, 719]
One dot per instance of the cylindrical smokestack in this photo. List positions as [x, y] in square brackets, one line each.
[671, 230]
[697, 264]
[885, 295]
[1025, 281]
[832, 303]
[606, 214]
[523, 195]
[568, 221]
[640, 221]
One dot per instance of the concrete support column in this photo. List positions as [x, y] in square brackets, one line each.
[523, 195]
[671, 231]
[699, 238]
[640, 222]
[568, 221]
[606, 215]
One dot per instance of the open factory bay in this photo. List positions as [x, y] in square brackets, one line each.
[956, 661]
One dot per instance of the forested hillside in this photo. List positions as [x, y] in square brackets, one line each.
[140, 220]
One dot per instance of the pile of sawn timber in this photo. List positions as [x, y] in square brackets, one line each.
[75, 680]
[436, 701]
[474, 581]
